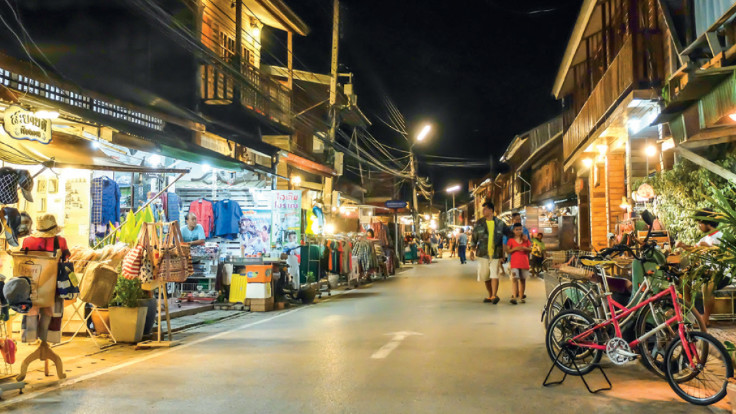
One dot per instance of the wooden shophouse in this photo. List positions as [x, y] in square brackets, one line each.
[609, 82]
[197, 63]
[700, 93]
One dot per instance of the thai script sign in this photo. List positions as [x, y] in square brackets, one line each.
[25, 125]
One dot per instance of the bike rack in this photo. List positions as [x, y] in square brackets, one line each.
[566, 348]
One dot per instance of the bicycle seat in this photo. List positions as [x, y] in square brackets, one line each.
[588, 262]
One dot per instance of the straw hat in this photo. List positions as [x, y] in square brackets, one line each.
[46, 226]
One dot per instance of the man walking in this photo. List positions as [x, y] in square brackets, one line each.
[487, 245]
[462, 245]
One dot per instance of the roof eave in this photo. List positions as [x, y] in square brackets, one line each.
[287, 16]
[572, 45]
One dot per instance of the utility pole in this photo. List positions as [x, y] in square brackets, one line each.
[453, 209]
[333, 66]
[238, 46]
[415, 205]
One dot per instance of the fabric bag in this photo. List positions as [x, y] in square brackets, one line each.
[98, 284]
[165, 252]
[146, 274]
[42, 269]
[67, 285]
[188, 258]
[132, 262]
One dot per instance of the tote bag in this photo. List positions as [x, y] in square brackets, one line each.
[41, 268]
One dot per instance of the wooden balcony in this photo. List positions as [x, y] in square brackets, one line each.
[616, 81]
[543, 133]
[258, 93]
[639, 64]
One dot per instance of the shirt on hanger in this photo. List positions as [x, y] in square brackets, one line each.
[205, 214]
[106, 196]
[227, 219]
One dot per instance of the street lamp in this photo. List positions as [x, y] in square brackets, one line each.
[424, 132]
[452, 190]
[412, 163]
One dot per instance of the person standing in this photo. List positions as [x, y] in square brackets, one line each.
[515, 218]
[519, 247]
[441, 246]
[433, 240]
[487, 245]
[453, 245]
[462, 245]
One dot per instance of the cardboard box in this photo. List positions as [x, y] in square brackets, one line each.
[258, 291]
[261, 305]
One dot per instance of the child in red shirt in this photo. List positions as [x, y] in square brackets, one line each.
[519, 247]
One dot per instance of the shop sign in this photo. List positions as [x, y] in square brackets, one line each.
[579, 186]
[25, 125]
[286, 219]
[395, 204]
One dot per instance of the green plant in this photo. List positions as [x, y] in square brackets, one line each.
[310, 277]
[685, 188]
[127, 292]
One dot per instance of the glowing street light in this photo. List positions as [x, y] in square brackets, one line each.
[424, 132]
[452, 190]
[296, 180]
[651, 151]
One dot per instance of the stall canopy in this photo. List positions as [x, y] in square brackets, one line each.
[65, 150]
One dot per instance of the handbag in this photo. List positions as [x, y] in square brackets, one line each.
[98, 284]
[146, 274]
[132, 262]
[165, 252]
[67, 285]
[42, 269]
[188, 258]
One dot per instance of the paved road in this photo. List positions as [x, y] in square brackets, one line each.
[340, 356]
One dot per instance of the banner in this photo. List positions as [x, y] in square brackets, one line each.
[255, 232]
[286, 219]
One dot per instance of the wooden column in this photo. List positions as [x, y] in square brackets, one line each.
[615, 188]
[583, 239]
[598, 205]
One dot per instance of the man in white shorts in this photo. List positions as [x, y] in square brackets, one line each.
[487, 245]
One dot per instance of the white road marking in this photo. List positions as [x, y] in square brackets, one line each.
[385, 350]
[72, 381]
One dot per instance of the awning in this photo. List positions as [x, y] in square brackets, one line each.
[307, 165]
[186, 152]
[65, 150]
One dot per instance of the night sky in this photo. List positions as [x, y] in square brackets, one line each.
[480, 70]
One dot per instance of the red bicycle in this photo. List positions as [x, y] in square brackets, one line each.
[697, 365]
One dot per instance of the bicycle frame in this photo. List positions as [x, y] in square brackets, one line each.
[613, 305]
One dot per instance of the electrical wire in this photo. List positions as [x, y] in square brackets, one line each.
[20, 42]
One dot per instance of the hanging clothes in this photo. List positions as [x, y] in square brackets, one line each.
[106, 196]
[172, 206]
[205, 214]
[227, 219]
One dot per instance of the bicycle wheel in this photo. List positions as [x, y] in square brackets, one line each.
[570, 295]
[652, 349]
[705, 383]
[565, 326]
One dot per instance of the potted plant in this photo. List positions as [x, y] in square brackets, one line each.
[308, 292]
[127, 317]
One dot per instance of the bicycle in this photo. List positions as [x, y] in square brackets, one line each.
[697, 366]
[584, 294]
